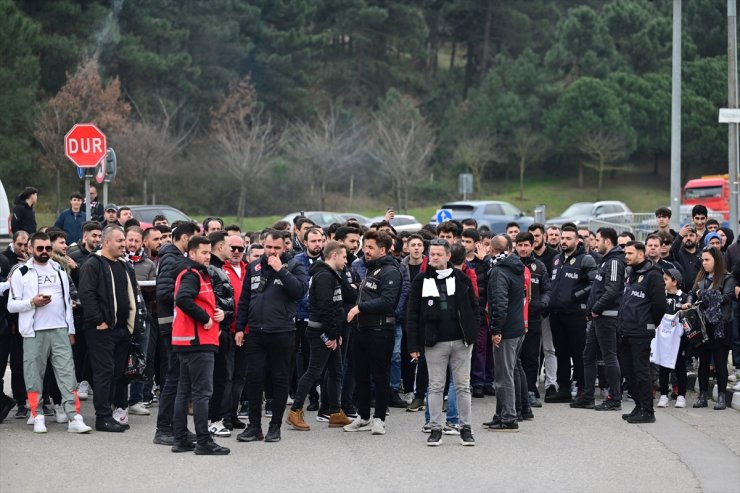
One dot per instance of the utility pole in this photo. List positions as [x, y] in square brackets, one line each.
[676, 119]
[732, 129]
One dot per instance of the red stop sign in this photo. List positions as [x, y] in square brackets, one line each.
[85, 145]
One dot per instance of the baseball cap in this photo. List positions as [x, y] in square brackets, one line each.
[111, 207]
[675, 274]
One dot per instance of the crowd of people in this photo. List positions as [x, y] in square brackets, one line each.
[348, 321]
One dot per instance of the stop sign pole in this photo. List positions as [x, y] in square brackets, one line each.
[85, 146]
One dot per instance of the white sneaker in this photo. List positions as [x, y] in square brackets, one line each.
[359, 424]
[290, 401]
[77, 425]
[217, 428]
[83, 390]
[30, 420]
[736, 387]
[39, 424]
[121, 416]
[378, 426]
[734, 376]
[681, 401]
[663, 402]
[139, 409]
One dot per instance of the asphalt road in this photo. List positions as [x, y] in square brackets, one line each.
[562, 449]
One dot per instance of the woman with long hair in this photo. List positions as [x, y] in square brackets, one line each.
[715, 288]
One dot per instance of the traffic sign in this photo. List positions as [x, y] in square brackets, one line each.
[85, 145]
[100, 171]
[111, 165]
[83, 173]
[729, 115]
[444, 215]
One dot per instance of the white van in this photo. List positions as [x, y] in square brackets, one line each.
[4, 212]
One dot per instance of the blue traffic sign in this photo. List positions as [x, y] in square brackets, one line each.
[80, 172]
[444, 215]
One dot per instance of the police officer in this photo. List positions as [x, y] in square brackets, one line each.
[573, 271]
[601, 332]
[640, 312]
[372, 345]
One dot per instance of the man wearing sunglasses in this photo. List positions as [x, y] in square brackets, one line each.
[40, 294]
[236, 268]
[653, 246]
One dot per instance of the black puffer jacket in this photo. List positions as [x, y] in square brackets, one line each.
[421, 324]
[572, 277]
[23, 218]
[506, 297]
[223, 290]
[171, 263]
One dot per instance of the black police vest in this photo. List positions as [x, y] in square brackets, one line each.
[370, 290]
[635, 315]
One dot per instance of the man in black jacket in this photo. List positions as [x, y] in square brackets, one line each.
[443, 321]
[172, 261]
[375, 336]
[686, 252]
[328, 289]
[108, 291]
[573, 271]
[506, 302]
[24, 217]
[601, 332]
[268, 303]
[219, 409]
[640, 312]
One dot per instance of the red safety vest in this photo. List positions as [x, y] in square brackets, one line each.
[527, 296]
[187, 331]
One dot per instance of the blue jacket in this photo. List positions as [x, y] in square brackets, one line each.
[302, 258]
[71, 223]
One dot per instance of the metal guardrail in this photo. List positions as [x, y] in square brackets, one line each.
[640, 224]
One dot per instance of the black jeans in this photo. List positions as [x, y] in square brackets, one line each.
[602, 334]
[320, 357]
[168, 390]
[348, 377]
[278, 347]
[636, 365]
[81, 356]
[239, 378]
[372, 351]
[679, 369]
[569, 339]
[718, 349]
[151, 358]
[531, 355]
[196, 381]
[223, 374]
[108, 351]
[11, 349]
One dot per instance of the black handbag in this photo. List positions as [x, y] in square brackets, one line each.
[136, 363]
[692, 321]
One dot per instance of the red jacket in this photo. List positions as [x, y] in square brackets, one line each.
[194, 306]
[237, 282]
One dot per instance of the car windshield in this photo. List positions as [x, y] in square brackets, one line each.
[578, 209]
[703, 193]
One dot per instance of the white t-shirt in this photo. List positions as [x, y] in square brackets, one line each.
[50, 316]
[664, 347]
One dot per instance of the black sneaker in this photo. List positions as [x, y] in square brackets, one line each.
[268, 408]
[313, 405]
[21, 412]
[227, 424]
[323, 416]
[416, 405]
[5, 407]
[495, 421]
[251, 434]
[609, 405]
[550, 392]
[466, 436]
[582, 403]
[562, 396]
[478, 392]
[186, 446]
[211, 448]
[503, 426]
[489, 390]
[634, 411]
[435, 438]
[396, 400]
[527, 414]
[164, 438]
[350, 411]
[642, 417]
[109, 424]
[237, 424]
[273, 433]
[243, 411]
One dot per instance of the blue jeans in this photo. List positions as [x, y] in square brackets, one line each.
[396, 360]
[452, 415]
[136, 391]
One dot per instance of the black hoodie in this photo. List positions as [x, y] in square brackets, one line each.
[326, 294]
[24, 218]
[506, 297]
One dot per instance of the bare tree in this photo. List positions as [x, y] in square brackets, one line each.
[476, 152]
[82, 99]
[528, 148]
[150, 142]
[246, 140]
[402, 142]
[328, 145]
[604, 150]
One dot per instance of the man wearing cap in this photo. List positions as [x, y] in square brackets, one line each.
[686, 253]
[110, 215]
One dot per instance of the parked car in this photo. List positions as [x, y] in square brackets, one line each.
[401, 222]
[363, 220]
[581, 213]
[321, 218]
[4, 212]
[145, 214]
[492, 215]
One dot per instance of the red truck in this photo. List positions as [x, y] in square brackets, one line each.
[712, 191]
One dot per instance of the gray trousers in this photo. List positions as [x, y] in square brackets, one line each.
[505, 357]
[457, 355]
[551, 361]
